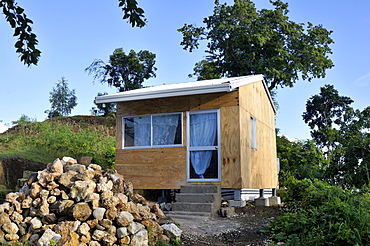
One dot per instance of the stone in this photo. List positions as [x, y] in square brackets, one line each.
[122, 232]
[62, 207]
[125, 240]
[81, 189]
[112, 230]
[51, 199]
[85, 238]
[122, 197]
[64, 227]
[80, 211]
[92, 223]
[44, 208]
[109, 240]
[66, 179]
[68, 161]
[95, 167]
[140, 238]
[110, 201]
[16, 217]
[106, 223]
[98, 235]
[12, 198]
[36, 223]
[27, 202]
[4, 207]
[33, 239]
[10, 228]
[84, 160]
[69, 239]
[11, 237]
[49, 219]
[55, 192]
[172, 231]
[93, 243]
[94, 199]
[164, 238]
[111, 213]
[57, 166]
[134, 227]
[35, 190]
[86, 175]
[124, 218]
[51, 185]
[83, 229]
[99, 213]
[101, 187]
[47, 236]
[75, 167]
[44, 177]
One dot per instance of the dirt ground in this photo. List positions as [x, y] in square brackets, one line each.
[241, 229]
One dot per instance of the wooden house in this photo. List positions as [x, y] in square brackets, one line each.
[218, 131]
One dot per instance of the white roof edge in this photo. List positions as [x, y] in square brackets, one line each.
[181, 89]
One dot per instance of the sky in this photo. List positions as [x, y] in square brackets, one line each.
[73, 33]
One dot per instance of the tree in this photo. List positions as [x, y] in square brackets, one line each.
[126, 72]
[324, 114]
[27, 40]
[62, 100]
[105, 109]
[245, 41]
[299, 159]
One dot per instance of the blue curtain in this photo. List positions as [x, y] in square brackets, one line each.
[142, 131]
[203, 132]
[164, 129]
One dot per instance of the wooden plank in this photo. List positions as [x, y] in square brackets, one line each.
[230, 147]
[157, 168]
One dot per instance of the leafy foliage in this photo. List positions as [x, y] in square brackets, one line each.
[124, 71]
[106, 109]
[300, 159]
[48, 140]
[243, 40]
[27, 40]
[321, 214]
[62, 100]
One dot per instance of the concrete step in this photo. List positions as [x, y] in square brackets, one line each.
[196, 197]
[200, 189]
[193, 207]
[188, 215]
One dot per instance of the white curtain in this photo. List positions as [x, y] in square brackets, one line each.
[142, 131]
[164, 129]
[203, 132]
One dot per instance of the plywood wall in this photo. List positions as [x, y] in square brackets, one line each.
[259, 167]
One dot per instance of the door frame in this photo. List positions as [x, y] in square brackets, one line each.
[188, 148]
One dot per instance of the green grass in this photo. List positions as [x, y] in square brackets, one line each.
[48, 140]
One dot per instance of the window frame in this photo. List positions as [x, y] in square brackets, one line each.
[151, 146]
[253, 124]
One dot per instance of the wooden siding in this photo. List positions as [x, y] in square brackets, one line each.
[230, 148]
[259, 167]
[159, 168]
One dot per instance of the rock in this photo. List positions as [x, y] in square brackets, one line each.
[122, 232]
[69, 239]
[35, 190]
[64, 227]
[44, 208]
[84, 160]
[125, 240]
[11, 237]
[83, 229]
[12, 198]
[124, 218]
[85, 238]
[98, 235]
[81, 211]
[134, 227]
[44, 177]
[47, 236]
[75, 167]
[99, 213]
[10, 228]
[4, 207]
[106, 223]
[92, 223]
[57, 166]
[94, 199]
[94, 243]
[62, 207]
[66, 179]
[164, 238]
[16, 217]
[111, 213]
[68, 161]
[95, 167]
[49, 219]
[86, 175]
[27, 202]
[109, 240]
[51, 199]
[172, 231]
[106, 186]
[36, 223]
[81, 189]
[140, 238]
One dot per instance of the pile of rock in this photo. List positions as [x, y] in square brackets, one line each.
[75, 204]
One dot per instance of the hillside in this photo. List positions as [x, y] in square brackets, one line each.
[31, 146]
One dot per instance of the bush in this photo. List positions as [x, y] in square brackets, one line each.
[317, 213]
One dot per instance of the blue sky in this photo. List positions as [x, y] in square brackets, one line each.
[74, 33]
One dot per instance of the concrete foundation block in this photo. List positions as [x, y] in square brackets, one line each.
[262, 201]
[227, 211]
[274, 201]
[235, 203]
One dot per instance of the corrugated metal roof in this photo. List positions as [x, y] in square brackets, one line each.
[181, 89]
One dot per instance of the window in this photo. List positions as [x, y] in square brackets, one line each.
[146, 131]
[253, 133]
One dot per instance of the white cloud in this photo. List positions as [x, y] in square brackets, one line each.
[363, 81]
[3, 127]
